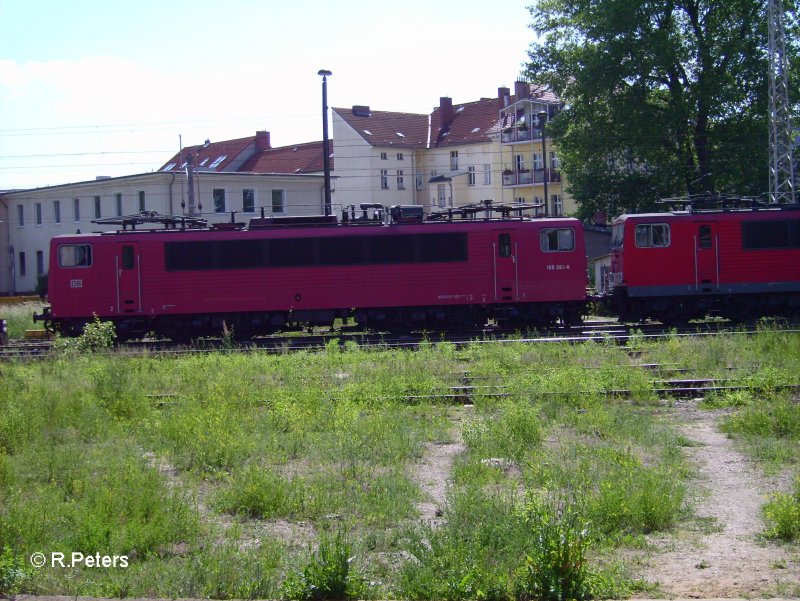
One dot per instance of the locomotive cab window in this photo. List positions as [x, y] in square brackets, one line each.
[75, 255]
[652, 235]
[557, 240]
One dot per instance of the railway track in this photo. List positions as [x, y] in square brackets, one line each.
[594, 330]
[465, 392]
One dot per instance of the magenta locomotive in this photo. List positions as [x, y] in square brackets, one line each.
[392, 271]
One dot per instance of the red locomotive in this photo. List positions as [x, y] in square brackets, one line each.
[735, 261]
[187, 279]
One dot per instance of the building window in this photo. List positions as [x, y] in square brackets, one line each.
[453, 160]
[558, 207]
[248, 200]
[537, 161]
[39, 262]
[471, 175]
[142, 207]
[400, 180]
[38, 213]
[219, 199]
[553, 160]
[23, 270]
[57, 211]
[487, 174]
[441, 194]
[519, 160]
[399, 156]
[76, 208]
[118, 200]
[419, 181]
[384, 179]
[20, 215]
[97, 213]
[278, 201]
[384, 156]
[649, 235]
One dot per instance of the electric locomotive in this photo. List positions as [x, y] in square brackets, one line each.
[393, 270]
[740, 261]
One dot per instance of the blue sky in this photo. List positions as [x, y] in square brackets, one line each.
[107, 87]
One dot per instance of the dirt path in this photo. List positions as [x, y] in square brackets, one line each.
[731, 560]
[432, 474]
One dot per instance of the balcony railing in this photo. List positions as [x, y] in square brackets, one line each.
[520, 134]
[527, 177]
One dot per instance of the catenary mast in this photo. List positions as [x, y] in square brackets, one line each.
[781, 168]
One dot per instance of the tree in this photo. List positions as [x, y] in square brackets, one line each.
[663, 97]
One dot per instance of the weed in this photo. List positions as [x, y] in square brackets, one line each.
[12, 572]
[556, 567]
[782, 515]
[329, 573]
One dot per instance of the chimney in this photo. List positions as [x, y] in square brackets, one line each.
[522, 89]
[262, 141]
[445, 112]
[503, 97]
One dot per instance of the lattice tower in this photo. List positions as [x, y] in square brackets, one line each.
[781, 168]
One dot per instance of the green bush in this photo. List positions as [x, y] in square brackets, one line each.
[97, 336]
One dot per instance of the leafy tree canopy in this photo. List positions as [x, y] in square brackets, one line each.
[663, 97]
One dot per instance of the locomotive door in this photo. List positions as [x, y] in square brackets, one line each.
[129, 280]
[505, 266]
[706, 257]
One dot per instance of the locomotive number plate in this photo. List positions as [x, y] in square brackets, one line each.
[558, 267]
[76, 283]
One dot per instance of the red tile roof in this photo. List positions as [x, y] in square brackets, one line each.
[241, 156]
[300, 158]
[471, 124]
[388, 129]
[210, 153]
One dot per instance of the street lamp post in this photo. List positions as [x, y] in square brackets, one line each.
[326, 159]
[542, 117]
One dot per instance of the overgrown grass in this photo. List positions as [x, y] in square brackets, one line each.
[19, 317]
[192, 465]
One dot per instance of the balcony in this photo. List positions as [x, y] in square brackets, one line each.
[525, 177]
[512, 135]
